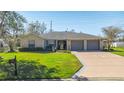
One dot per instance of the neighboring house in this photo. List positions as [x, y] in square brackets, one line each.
[118, 44]
[3, 45]
[63, 40]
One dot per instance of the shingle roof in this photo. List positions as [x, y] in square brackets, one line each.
[29, 34]
[68, 35]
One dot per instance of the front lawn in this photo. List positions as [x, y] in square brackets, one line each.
[118, 51]
[39, 65]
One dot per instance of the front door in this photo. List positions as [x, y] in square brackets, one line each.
[62, 45]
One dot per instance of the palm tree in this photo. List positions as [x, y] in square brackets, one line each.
[111, 33]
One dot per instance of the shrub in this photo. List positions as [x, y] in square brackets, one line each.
[108, 50]
[50, 47]
[31, 49]
[27, 70]
[1, 49]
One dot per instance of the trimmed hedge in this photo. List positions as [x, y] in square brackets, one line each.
[31, 49]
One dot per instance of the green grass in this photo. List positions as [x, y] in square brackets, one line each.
[40, 65]
[118, 51]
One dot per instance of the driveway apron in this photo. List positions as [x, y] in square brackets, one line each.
[100, 66]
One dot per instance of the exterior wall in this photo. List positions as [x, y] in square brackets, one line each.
[101, 45]
[68, 44]
[51, 41]
[38, 41]
[47, 42]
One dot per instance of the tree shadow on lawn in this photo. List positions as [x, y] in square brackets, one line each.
[116, 51]
[43, 52]
[27, 70]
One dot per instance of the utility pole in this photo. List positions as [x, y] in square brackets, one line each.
[66, 30]
[51, 26]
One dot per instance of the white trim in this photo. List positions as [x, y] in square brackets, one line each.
[101, 44]
[85, 45]
[68, 44]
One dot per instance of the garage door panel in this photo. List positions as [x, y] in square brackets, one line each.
[93, 45]
[77, 45]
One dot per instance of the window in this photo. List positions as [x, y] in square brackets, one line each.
[46, 42]
[31, 44]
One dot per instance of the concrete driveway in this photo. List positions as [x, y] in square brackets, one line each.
[100, 66]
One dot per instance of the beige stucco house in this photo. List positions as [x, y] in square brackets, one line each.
[63, 40]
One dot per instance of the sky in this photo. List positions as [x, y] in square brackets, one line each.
[90, 22]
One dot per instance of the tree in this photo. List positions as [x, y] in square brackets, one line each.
[72, 30]
[43, 27]
[31, 28]
[111, 33]
[37, 27]
[11, 24]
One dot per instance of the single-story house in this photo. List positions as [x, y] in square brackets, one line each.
[63, 40]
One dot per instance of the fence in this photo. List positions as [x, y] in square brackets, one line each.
[118, 44]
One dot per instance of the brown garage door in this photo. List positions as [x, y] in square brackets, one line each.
[77, 45]
[93, 45]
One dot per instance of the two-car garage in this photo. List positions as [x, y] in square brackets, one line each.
[90, 45]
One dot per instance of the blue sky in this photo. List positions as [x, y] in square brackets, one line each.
[89, 22]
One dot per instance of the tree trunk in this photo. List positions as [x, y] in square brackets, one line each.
[109, 45]
[11, 46]
[2, 25]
